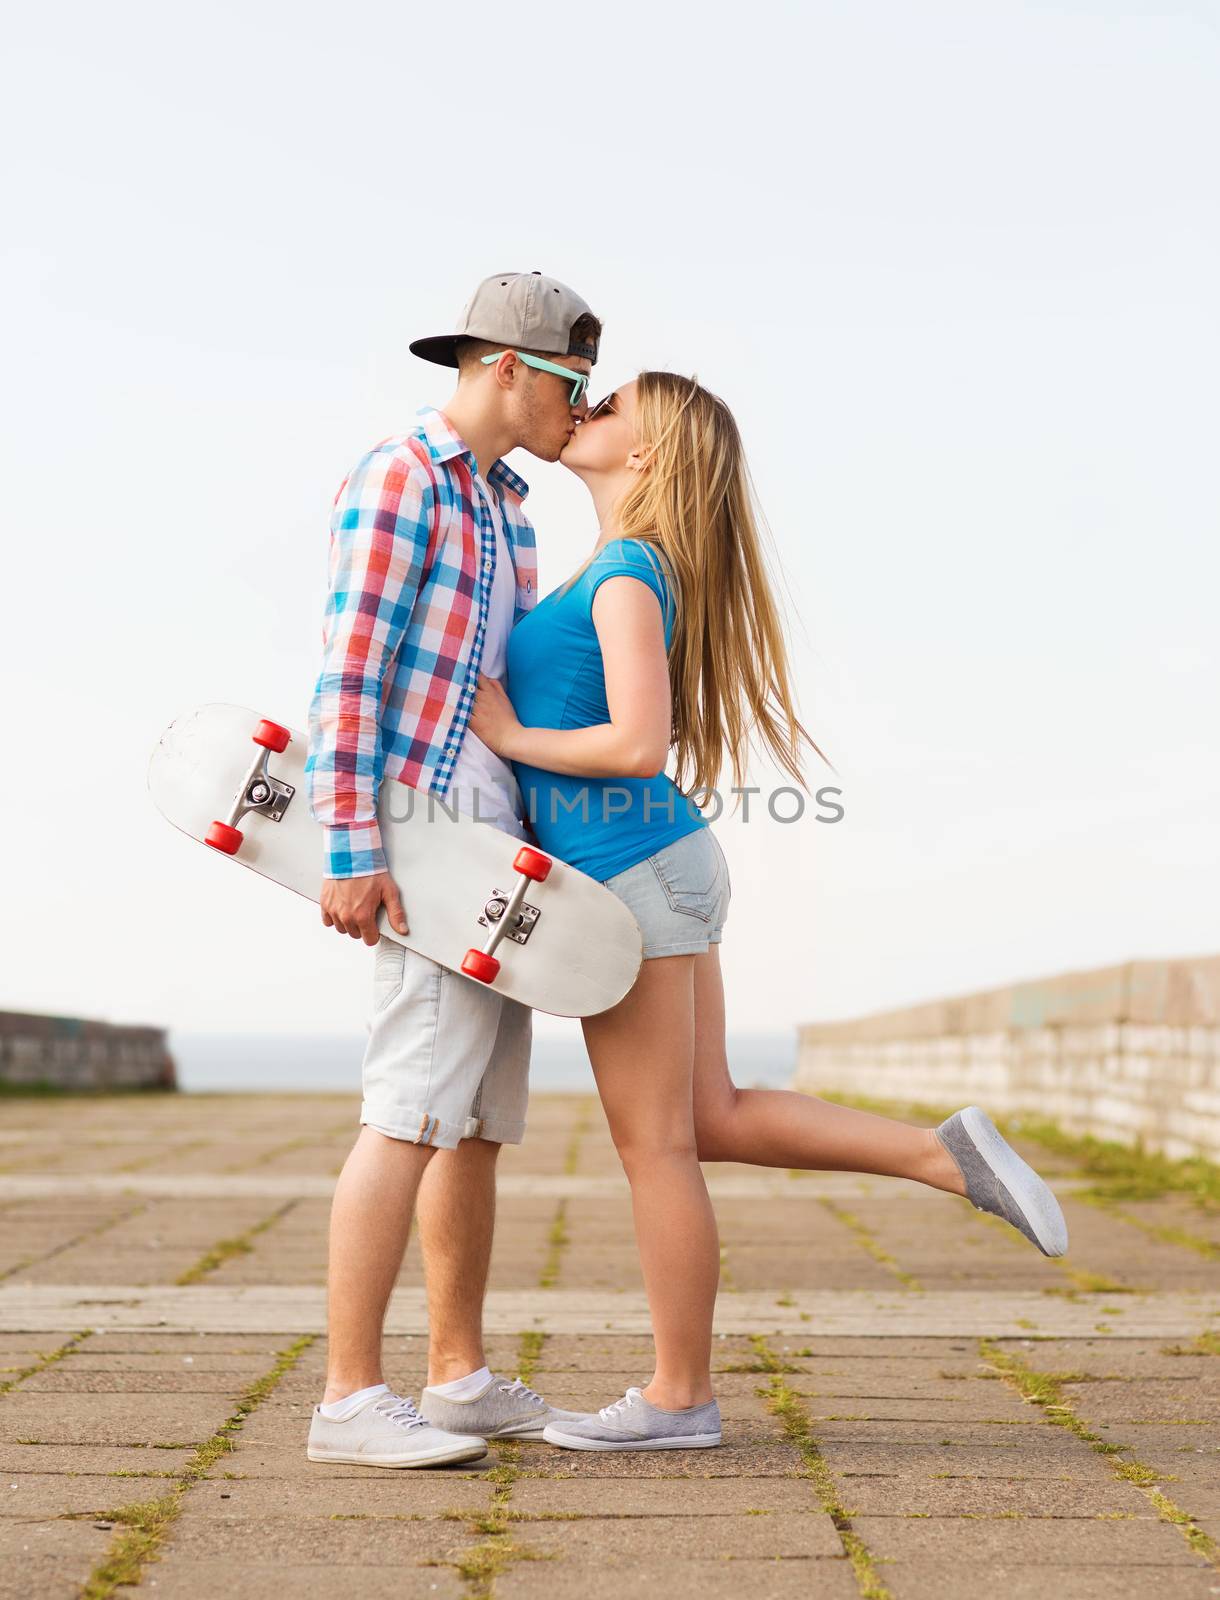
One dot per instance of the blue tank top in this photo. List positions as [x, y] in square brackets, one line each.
[556, 679]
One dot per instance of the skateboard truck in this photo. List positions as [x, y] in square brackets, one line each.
[258, 791]
[507, 915]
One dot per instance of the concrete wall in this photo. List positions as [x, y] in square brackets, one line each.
[1129, 1052]
[72, 1053]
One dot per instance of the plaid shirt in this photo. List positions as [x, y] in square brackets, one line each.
[412, 558]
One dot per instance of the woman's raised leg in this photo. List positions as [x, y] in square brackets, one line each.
[782, 1128]
[642, 1051]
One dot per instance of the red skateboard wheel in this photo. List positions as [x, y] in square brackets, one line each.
[477, 965]
[533, 863]
[221, 837]
[272, 736]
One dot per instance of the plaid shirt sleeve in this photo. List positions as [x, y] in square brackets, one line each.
[378, 544]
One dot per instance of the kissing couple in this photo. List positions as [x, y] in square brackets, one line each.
[443, 670]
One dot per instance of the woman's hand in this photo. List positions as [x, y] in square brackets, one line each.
[493, 719]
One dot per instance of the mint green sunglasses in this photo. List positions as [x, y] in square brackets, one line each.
[579, 380]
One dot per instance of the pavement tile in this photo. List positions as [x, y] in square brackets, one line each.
[41, 1559]
[308, 1540]
[614, 1540]
[816, 1578]
[919, 1494]
[374, 1494]
[88, 1460]
[185, 1578]
[1032, 1542]
[650, 1497]
[966, 1580]
[111, 1418]
[55, 1494]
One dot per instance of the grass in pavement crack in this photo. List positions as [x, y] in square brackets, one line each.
[867, 1241]
[145, 1522]
[1045, 1389]
[1207, 1344]
[785, 1404]
[497, 1550]
[765, 1359]
[558, 1238]
[557, 1243]
[47, 1359]
[225, 1249]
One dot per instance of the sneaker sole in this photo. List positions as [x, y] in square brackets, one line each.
[572, 1441]
[1032, 1193]
[431, 1459]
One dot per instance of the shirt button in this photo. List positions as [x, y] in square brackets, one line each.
[487, 566]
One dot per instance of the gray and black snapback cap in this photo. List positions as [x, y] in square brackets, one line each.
[519, 310]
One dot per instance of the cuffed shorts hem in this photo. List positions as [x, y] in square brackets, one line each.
[412, 1128]
[429, 1130]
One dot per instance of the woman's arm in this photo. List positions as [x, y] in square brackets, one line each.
[635, 742]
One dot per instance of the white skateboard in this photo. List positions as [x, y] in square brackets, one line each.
[500, 912]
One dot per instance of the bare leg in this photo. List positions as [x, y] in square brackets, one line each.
[457, 1209]
[641, 1051]
[781, 1128]
[370, 1222]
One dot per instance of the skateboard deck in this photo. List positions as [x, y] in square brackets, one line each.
[500, 912]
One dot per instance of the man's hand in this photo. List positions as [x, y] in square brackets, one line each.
[350, 905]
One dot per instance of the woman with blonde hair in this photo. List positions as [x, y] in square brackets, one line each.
[668, 635]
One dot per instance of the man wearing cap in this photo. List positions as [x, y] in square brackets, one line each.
[432, 561]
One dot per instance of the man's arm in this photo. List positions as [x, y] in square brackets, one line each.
[379, 540]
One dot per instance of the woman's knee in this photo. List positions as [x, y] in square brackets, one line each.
[642, 1151]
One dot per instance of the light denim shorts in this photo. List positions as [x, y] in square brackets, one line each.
[679, 896]
[446, 1059]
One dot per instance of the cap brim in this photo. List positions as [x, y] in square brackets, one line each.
[442, 349]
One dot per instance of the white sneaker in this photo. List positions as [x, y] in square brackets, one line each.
[387, 1431]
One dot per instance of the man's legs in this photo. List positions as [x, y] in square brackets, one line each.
[457, 1206]
[370, 1222]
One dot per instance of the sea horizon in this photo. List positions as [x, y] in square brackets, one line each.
[285, 1063]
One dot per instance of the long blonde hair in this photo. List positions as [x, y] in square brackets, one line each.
[728, 663]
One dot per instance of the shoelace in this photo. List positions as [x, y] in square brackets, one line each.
[518, 1389]
[400, 1409]
[613, 1411]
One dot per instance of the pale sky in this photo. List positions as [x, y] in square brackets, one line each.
[954, 267]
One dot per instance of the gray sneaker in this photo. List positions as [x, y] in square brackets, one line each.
[502, 1410]
[997, 1180]
[634, 1423]
[387, 1431]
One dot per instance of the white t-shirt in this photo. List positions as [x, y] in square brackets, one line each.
[478, 767]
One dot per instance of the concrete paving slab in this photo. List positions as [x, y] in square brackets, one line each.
[1036, 1542]
[967, 1580]
[651, 1497]
[308, 1541]
[111, 1418]
[33, 1307]
[594, 1541]
[372, 1496]
[817, 1578]
[57, 1494]
[48, 1557]
[90, 1460]
[181, 1578]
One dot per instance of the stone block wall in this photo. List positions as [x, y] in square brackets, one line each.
[1129, 1053]
[75, 1053]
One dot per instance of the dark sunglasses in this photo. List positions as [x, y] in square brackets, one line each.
[603, 408]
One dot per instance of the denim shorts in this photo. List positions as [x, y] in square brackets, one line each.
[679, 896]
